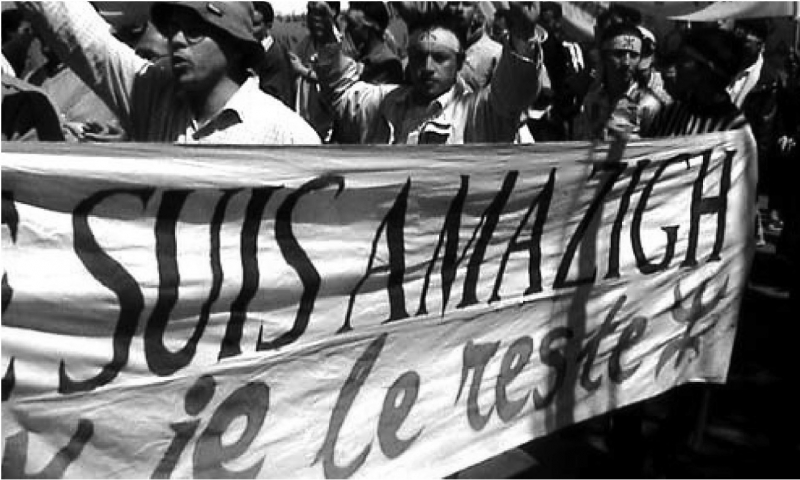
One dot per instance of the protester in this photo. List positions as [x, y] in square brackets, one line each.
[789, 159]
[647, 73]
[17, 38]
[366, 24]
[274, 71]
[617, 106]
[200, 94]
[28, 113]
[435, 108]
[482, 53]
[565, 64]
[755, 91]
[84, 115]
[707, 61]
[309, 102]
[151, 44]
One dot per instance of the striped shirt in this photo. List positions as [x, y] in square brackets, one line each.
[681, 118]
[144, 96]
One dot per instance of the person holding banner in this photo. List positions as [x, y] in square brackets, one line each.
[617, 106]
[435, 108]
[201, 93]
[707, 61]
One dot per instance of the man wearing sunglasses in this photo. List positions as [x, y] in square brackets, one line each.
[201, 93]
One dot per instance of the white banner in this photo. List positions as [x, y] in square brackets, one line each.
[354, 312]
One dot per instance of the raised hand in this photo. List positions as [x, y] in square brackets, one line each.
[523, 21]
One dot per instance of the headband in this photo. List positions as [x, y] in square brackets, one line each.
[436, 36]
[624, 42]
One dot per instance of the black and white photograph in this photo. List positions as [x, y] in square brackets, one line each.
[388, 239]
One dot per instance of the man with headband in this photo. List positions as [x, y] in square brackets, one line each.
[617, 105]
[435, 108]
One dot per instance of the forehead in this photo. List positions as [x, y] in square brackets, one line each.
[623, 43]
[435, 39]
[185, 16]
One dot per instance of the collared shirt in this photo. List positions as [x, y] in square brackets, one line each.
[386, 114]
[603, 119]
[6, 67]
[745, 81]
[143, 95]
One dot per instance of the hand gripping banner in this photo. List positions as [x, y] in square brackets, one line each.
[354, 312]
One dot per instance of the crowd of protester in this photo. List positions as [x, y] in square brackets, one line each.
[212, 72]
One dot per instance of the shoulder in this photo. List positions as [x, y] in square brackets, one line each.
[275, 117]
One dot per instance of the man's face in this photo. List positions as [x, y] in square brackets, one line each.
[621, 56]
[433, 62]
[472, 18]
[695, 81]
[260, 26]
[152, 45]
[198, 60]
[357, 28]
[752, 44]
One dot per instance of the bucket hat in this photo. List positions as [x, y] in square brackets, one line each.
[233, 18]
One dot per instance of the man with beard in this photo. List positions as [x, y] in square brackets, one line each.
[435, 108]
[201, 93]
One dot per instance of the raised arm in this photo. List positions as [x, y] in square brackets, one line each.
[517, 80]
[355, 103]
[83, 40]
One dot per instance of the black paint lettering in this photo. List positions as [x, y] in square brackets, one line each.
[9, 380]
[211, 453]
[358, 375]
[15, 455]
[490, 219]
[452, 225]
[630, 336]
[160, 360]
[231, 343]
[183, 432]
[614, 169]
[10, 217]
[533, 245]
[589, 351]
[476, 357]
[394, 224]
[405, 388]
[113, 276]
[616, 230]
[514, 361]
[636, 227]
[197, 397]
[709, 206]
[297, 258]
[554, 357]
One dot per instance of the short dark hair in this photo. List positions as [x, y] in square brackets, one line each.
[617, 13]
[722, 48]
[375, 11]
[755, 26]
[12, 19]
[266, 10]
[554, 7]
[442, 19]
